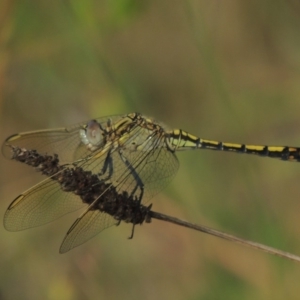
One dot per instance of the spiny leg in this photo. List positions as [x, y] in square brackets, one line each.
[133, 172]
[139, 184]
[108, 165]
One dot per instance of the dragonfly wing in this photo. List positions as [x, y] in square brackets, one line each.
[66, 142]
[41, 204]
[85, 227]
[152, 164]
[60, 141]
[156, 170]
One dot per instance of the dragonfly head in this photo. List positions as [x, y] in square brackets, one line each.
[92, 135]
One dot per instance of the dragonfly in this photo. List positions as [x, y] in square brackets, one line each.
[127, 157]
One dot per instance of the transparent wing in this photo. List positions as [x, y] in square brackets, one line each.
[155, 169]
[84, 228]
[46, 201]
[153, 162]
[63, 141]
[154, 165]
[41, 204]
[140, 161]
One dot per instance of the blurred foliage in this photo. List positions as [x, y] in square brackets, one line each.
[222, 70]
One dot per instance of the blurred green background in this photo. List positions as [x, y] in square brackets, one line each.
[224, 70]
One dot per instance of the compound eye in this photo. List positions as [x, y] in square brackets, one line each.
[94, 133]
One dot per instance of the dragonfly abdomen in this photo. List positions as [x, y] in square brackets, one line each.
[280, 152]
[180, 140]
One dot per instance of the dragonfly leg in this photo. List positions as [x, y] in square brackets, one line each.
[132, 232]
[134, 173]
[147, 219]
[108, 165]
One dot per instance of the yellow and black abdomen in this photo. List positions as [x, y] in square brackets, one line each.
[178, 140]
